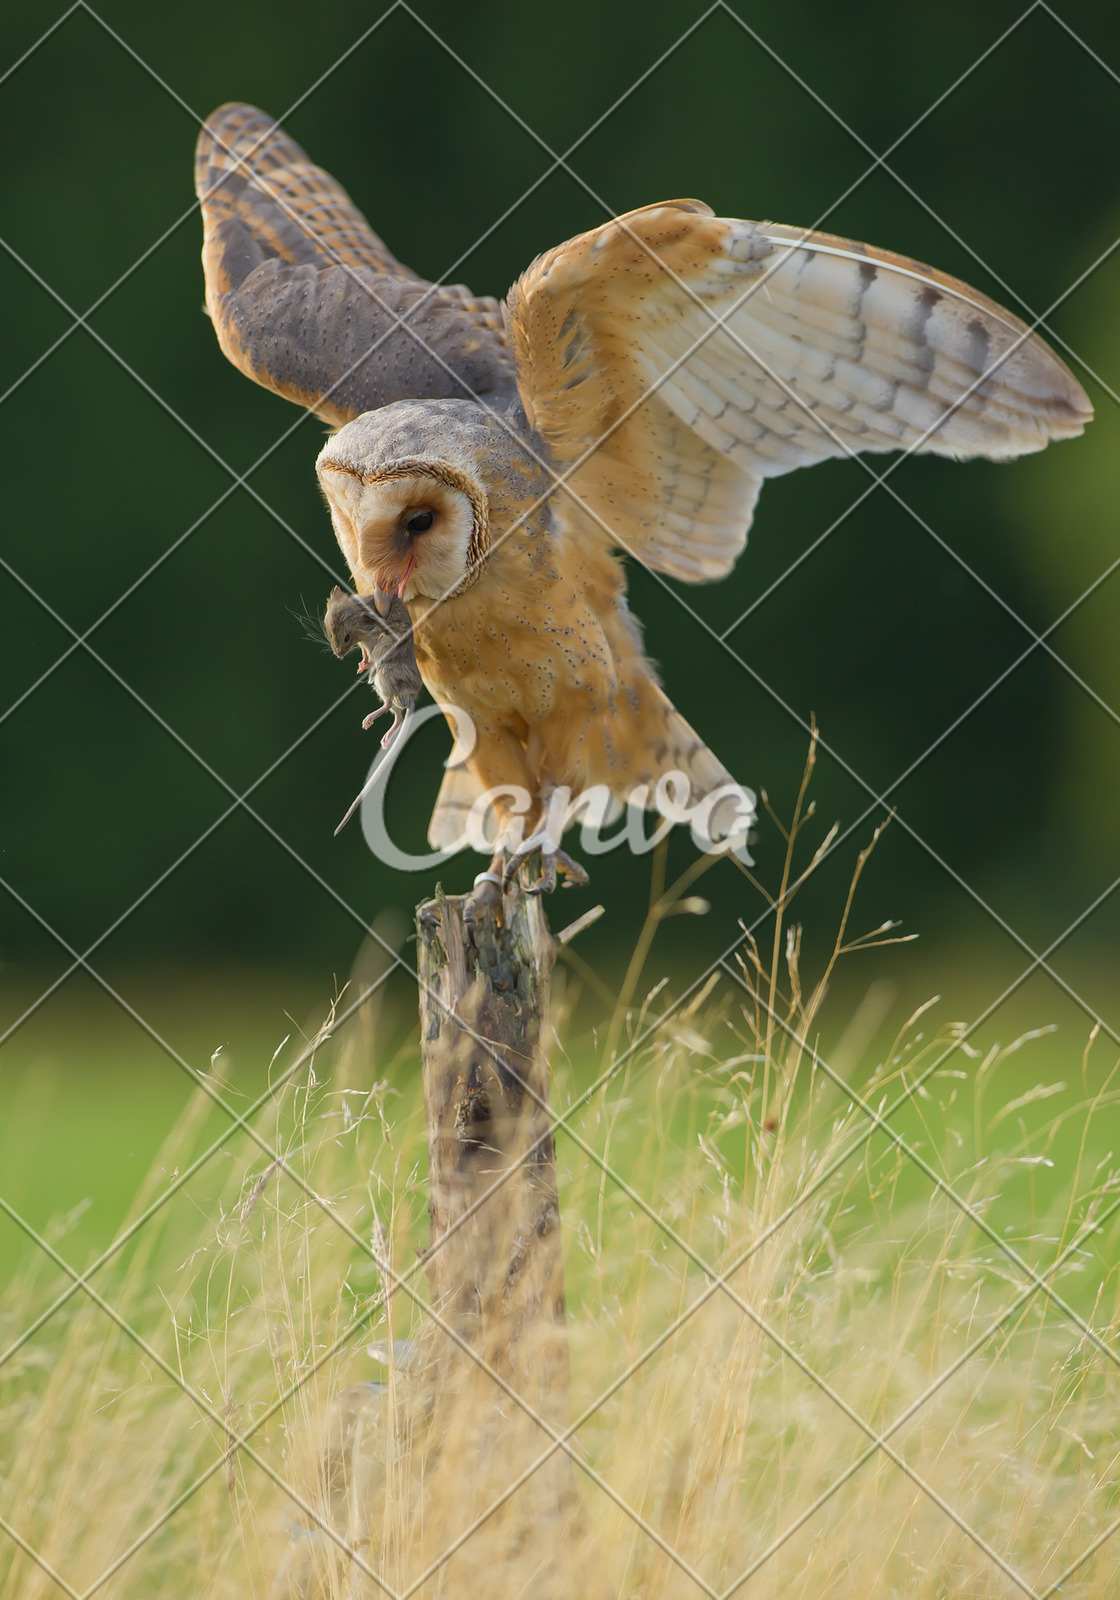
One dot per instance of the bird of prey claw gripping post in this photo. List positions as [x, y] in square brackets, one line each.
[633, 394]
[551, 858]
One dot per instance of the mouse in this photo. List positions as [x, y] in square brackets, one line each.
[352, 622]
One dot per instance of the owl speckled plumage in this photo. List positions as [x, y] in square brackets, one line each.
[453, 429]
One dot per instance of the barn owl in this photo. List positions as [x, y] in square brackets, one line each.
[493, 463]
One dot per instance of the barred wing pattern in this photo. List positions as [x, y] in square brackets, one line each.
[305, 298]
[674, 360]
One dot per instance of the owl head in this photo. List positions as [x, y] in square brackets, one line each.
[411, 526]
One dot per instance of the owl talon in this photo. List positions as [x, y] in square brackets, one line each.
[575, 876]
[547, 880]
[575, 873]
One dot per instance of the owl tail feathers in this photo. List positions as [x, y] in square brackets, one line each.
[458, 794]
[692, 785]
[669, 769]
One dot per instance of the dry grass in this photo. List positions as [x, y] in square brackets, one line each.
[262, 1285]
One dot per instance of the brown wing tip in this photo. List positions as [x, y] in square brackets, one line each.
[1065, 410]
[230, 119]
[233, 129]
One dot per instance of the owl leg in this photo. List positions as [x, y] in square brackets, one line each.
[486, 896]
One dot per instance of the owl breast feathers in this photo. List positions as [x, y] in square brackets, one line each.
[630, 396]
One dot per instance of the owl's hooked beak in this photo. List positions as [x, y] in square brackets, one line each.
[383, 598]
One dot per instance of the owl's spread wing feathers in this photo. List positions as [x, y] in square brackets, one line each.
[671, 360]
[668, 421]
[305, 297]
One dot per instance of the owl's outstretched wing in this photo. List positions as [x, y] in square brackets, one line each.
[673, 360]
[306, 299]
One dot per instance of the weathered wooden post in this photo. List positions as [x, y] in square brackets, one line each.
[498, 1279]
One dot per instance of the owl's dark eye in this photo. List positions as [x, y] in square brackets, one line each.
[419, 521]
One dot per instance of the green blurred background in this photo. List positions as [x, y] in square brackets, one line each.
[121, 447]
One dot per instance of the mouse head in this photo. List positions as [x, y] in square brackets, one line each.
[350, 621]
